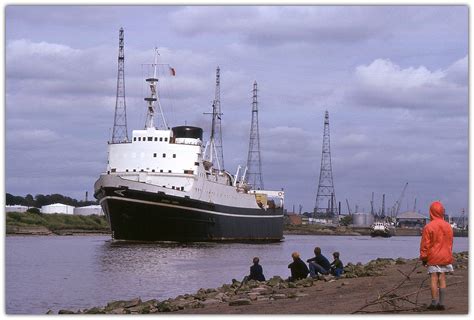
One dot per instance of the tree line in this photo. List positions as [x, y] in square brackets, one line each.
[40, 200]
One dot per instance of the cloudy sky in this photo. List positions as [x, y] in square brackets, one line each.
[393, 78]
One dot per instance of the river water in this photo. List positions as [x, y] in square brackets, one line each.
[76, 272]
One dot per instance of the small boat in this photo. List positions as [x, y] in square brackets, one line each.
[380, 229]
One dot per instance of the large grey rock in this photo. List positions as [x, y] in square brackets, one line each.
[123, 304]
[210, 301]
[117, 311]
[64, 311]
[239, 302]
[275, 281]
[253, 296]
[94, 310]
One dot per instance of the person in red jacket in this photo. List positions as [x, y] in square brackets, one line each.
[436, 252]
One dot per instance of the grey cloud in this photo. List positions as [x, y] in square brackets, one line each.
[383, 84]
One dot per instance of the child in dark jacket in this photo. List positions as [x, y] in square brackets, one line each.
[256, 271]
[298, 268]
[337, 268]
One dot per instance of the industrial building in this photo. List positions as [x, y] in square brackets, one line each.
[89, 210]
[411, 219]
[16, 208]
[57, 208]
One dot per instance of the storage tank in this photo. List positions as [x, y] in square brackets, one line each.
[89, 210]
[362, 219]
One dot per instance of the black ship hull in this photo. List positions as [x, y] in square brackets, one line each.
[144, 216]
[380, 233]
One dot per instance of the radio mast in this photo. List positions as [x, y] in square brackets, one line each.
[326, 196]
[254, 161]
[120, 133]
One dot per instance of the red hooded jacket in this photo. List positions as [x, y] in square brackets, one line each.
[436, 247]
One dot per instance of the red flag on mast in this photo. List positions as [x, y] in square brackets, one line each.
[172, 71]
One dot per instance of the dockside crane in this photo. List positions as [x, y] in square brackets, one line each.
[348, 207]
[372, 205]
[399, 201]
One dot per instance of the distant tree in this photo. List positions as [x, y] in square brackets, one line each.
[12, 200]
[29, 200]
[346, 220]
[40, 200]
[308, 214]
[34, 210]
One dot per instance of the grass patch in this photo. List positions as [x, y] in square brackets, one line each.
[57, 221]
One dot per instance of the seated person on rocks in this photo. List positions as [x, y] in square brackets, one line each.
[256, 271]
[337, 268]
[298, 268]
[319, 264]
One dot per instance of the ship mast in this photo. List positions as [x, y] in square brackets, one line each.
[211, 146]
[150, 117]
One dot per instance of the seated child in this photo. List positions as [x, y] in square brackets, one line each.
[337, 268]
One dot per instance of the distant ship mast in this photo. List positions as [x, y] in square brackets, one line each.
[150, 122]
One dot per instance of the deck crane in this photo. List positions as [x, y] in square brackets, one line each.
[399, 201]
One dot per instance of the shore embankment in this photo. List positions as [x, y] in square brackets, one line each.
[54, 224]
[65, 224]
[381, 286]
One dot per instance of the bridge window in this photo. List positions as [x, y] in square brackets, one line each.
[135, 139]
[169, 171]
[154, 155]
[150, 138]
[161, 138]
[156, 139]
[164, 155]
[166, 139]
[174, 155]
[161, 170]
[139, 138]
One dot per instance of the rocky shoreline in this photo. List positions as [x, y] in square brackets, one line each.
[259, 297]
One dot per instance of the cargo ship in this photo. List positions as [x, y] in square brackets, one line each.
[165, 185]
